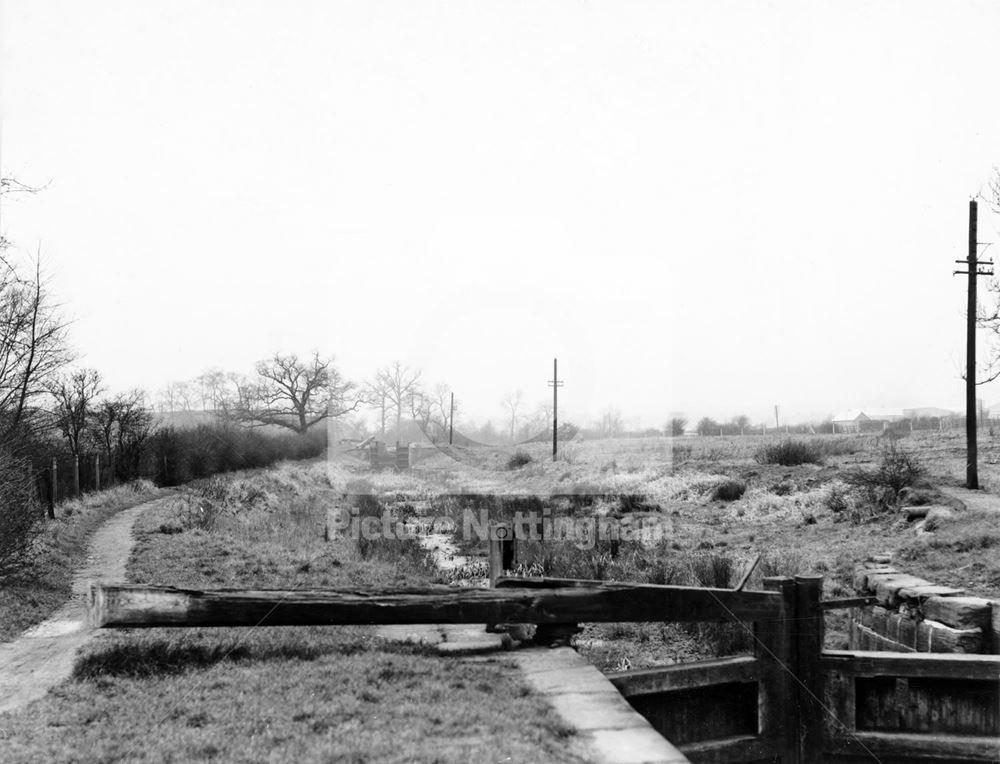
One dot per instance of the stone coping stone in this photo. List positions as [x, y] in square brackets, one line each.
[958, 612]
[612, 731]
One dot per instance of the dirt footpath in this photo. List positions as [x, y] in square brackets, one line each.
[976, 500]
[44, 655]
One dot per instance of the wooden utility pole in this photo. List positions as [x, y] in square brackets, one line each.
[451, 420]
[972, 263]
[555, 384]
[776, 424]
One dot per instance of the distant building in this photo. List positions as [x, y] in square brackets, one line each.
[856, 420]
[927, 412]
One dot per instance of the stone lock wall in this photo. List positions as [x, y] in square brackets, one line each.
[914, 615]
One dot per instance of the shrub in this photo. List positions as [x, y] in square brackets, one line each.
[20, 513]
[635, 502]
[729, 490]
[184, 455]
[898, 469]
[789, 453]
[837, 499]
[518, 460]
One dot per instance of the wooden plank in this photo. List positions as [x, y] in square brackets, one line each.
[915, 746]
[994, 640]
[731, 750]
[934, 637]
[926, 665]
[701, 714]
[685, 676]
[871, 640]
[148, 606]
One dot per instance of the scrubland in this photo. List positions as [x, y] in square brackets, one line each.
[341, 692]
[719, 503]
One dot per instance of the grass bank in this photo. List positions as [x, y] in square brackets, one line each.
[35, 591]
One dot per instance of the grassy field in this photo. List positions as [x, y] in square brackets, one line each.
[277, 694]
[807, 518]
[34, 592]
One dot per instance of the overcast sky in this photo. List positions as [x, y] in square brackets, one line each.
[707, 207]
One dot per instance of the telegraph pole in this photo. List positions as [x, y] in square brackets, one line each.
[451, 420]
[976, 268]
[555, 384]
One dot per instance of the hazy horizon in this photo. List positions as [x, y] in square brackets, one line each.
[704, 208]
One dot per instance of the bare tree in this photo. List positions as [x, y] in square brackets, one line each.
[676, 426]
[990, 318]
[32, 344]
[299, 393]
[543, 416]
[102, 425]
[444, 413]
[376, 396]
[400, 383]
[740, 422]
[122, 426]
[239, 398]
[707, 426]
[74, 396]
[513, 401]
[187, 394]
[422, 411]
[611, 423]
[135, 426]
[9, 186]
[212, 386]
[168, 397]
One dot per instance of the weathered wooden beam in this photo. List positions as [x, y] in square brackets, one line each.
[777, 709]
[747, 606]
[808, 647]
[747, 573]
[147, 606]
[731, 750]
[919, 665]
[914, 746]
[686, 676]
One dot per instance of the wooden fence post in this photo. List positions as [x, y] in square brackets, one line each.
[53, 487]
[76, 475]
[808, 650]
[775, 647]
